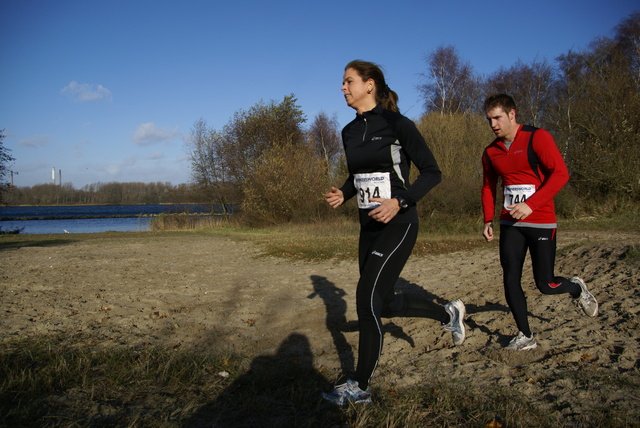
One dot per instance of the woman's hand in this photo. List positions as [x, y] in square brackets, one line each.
[335, 197]
[386, 211]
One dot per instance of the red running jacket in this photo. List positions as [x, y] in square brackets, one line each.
[532, 159]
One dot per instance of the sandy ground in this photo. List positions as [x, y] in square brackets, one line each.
[202, 291]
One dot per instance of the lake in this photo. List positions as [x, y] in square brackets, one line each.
[88, 218]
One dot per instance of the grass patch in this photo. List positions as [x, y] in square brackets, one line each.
[62, 381]
[632, 255]
[628, 221]
[338, 239]
[317, 241]
[457, 403]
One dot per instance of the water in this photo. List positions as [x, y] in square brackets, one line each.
[87, 218]
[87, 225]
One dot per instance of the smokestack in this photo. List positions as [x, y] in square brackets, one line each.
[53, 175]
[60, 173]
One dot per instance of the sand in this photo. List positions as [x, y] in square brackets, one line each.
[207, 292]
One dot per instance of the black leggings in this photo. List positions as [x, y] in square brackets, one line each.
[383, 252]
[514, 242]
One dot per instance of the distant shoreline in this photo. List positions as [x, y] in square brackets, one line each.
[103, 205]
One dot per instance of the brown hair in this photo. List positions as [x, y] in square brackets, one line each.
[368, 70]
[499, 100]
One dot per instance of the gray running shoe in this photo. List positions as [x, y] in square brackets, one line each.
[348, 391]
[586, 300]
[522, 342]
[456, 311]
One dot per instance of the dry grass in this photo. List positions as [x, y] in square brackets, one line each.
[186, 221]
[67, 382]
[338, 238]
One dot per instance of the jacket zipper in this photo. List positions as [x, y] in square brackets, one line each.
[364, 136]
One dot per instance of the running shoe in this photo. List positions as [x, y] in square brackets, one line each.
[348, 391]
[586, 300]
[456, 311]
[522, 342]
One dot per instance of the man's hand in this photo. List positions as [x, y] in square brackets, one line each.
[488, 232]
[519, 211]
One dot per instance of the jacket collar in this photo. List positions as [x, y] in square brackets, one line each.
[376, 110]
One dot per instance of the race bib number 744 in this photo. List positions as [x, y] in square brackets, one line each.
[516, 193]
[372, 185]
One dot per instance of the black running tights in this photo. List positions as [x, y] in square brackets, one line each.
[514, 242]
[383, 252]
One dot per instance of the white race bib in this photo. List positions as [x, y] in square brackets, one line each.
[516, 193]
[372, 185]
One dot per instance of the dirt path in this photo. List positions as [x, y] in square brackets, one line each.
[196, 290]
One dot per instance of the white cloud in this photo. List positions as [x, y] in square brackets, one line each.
[112, 170]
[85, 92]
[148, 134]
[156, 156]
[35, 141]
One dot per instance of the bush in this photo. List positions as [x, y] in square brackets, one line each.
[569, 204]
[286, 185]
[454, 197]
[457, 142]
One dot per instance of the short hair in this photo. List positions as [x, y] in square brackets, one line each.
[499, 100]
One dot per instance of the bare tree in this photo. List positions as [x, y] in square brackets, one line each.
[598, 115]
[627, 41]
[451, 86]
[324, 137]
[531, 86]
[208, 169]
[204, 146]
[5, 160]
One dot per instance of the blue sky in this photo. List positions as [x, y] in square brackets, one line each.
[109, 90]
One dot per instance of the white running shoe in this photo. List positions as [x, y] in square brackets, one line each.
[456, 311]
[586, 300]
[522, 342]
[348, 391]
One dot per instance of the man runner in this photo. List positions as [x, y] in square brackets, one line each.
[532, 172]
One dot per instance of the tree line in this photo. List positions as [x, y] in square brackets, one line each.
[276, 166]
[111, 193]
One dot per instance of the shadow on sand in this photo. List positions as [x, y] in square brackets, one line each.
[281, 390]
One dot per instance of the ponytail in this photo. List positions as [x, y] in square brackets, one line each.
[389, 100]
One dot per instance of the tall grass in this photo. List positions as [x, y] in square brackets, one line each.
[186, 221]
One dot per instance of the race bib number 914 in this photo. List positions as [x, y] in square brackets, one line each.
[516, 193]
[372, 185]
